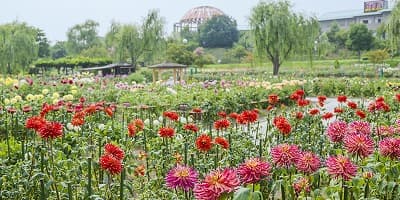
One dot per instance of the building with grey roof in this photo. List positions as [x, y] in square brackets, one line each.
[374, 14]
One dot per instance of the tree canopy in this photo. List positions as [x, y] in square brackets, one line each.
[360, 38]
[276, 31]
[219, 31]
[179, 53]
[18, 46]
[131, 41]
[393, 29]
[82, 36]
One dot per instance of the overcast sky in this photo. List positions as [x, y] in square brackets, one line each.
[55, 17]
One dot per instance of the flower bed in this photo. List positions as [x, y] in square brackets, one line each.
[197, 141]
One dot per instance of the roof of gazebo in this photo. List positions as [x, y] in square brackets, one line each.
[168, 66]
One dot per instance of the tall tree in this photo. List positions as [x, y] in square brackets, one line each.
[179, 53]
[275, 30]
[360, 38]
[219, 31]
[18, 46]
[83, 36]
[43, 43]
[310, 29]
[132, 41]
[393, 29]
[59, 50]
[337, 36]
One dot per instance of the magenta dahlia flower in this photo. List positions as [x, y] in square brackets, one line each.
[359, 144]
[216, 183]
[308, 162]
[336, 131]
[253, 170]
[359, 127]
[341, 167]
[390, 147]
[285, 155]
[181, 177]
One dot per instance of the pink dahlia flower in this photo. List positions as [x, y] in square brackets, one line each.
[302, 184]
[216, 183]
[285, 155]
[359, 144]
[181, 177]
[308, 162]
[336, 131]
[390, 147]
[253, 170]
[341, 167]
[359, 127]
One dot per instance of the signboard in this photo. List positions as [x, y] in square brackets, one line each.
[373, 6]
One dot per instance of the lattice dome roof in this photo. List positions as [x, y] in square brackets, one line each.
[200, 14]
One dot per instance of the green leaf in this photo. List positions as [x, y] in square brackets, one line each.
[242, 194]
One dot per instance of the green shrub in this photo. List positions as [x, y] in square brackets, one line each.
[336, 64]
[393, 63]
[136, 77]
[147, 74]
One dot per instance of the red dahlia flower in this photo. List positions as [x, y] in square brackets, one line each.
[222, 142]
[131, 129]
[35, 123]
[191, 127]
[111, 164]
[222, 124]
[203, 143]
[283, 125]
[303, 102]
[115, 151]
[166, 132]
[51, 130]
[327, 115]
[139, 124]
[342, 99]
[352, 105]
[172, 115]
[361, 114]
[273, 99]
[313, 111]
[222, 114]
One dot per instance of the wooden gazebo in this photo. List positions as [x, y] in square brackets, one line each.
[178, 70]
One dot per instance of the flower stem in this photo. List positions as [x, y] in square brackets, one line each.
[121, 187]
[89, 186]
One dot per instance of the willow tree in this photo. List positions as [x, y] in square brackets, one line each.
[131, 41]
[18, 46]
[277, 31]
[393, 29]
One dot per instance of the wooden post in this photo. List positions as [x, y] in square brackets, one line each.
[154, 76]
[174, 76]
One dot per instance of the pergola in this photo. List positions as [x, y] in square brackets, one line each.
[112, 69]
[178, 70]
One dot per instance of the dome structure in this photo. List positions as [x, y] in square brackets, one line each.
[196, 16]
